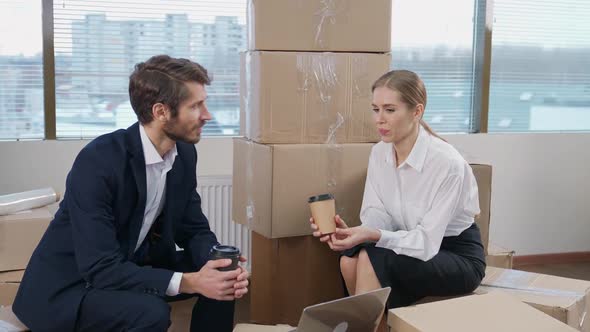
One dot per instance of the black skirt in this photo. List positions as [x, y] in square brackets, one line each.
[457, 269]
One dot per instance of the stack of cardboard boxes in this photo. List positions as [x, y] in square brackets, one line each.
[19, 235]
[306, 117]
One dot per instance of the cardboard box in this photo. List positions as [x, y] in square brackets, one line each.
[9, 283]
[9, 322]
[483, 177]
[271, 184]
[499, 257]
[19, 235]
[290, 274]
[311, 25]
[490, 312]
[296, 97]
[181, 313]
[567, 300]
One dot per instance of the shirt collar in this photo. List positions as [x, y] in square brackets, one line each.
[419, 150]
[150, 153]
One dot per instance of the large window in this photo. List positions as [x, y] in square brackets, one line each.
[540, 71]
[97, 43]
[21, 70]
[435, 39]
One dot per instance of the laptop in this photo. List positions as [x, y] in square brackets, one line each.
[358, 313]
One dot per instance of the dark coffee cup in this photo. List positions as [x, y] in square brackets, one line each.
[220, 251]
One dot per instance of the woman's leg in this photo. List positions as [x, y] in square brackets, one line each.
[366, 280]
[348, 266]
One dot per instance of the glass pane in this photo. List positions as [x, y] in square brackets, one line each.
[435, 40]
[540, 79]
[21, 70]
[97, 43]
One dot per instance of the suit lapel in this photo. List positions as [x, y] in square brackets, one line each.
[137, 162]
[173, 184]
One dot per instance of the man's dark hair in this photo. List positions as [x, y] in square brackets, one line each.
[161, 79]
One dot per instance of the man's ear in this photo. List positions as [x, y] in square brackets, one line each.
[160, 112]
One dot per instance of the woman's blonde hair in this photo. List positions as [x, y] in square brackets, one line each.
[411, 88]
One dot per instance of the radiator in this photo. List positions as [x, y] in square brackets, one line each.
[216, 202]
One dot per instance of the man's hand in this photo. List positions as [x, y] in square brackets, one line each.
[241, 285]
[211, 282]
[215, 284]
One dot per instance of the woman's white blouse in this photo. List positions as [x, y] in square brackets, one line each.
[432, 194]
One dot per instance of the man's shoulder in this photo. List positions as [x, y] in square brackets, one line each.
[106, 147]
[108, 141]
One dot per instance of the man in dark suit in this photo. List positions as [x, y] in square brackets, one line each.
[108, 261]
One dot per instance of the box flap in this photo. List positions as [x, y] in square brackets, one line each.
[11, 276]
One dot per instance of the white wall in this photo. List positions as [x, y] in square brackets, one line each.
[540, 187]
[30, 165]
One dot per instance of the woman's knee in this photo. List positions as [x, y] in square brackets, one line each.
[348, 265]
[363, 258]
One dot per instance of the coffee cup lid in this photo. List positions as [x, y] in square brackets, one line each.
[322, 197]
[225, 249]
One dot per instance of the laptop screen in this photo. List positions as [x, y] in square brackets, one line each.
[350, 314]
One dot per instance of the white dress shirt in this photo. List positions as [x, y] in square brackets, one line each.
[156, 170]
[432, 194]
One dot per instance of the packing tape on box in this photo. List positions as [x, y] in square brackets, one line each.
[247, 112]
[539, 291]
[326, 14]
[317, 73]
[547, 292]
[328, 96]
[506, 279]
[318, 70]
[329, 10]
[27, 200]
[250, 207]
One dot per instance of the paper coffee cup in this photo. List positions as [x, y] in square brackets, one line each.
[220, 251]
[323, 211]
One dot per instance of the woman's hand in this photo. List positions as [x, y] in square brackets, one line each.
[326, 237]
[346, 238]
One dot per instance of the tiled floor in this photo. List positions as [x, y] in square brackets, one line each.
[568, 270]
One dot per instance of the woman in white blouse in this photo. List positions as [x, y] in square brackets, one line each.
[418, 234]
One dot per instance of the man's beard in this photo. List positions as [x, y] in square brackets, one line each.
[173, 134]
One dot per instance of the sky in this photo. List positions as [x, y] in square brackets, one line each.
[552, 23]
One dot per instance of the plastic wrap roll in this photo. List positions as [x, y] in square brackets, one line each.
[27, 200]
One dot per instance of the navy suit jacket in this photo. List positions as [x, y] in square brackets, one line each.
[91, 241]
